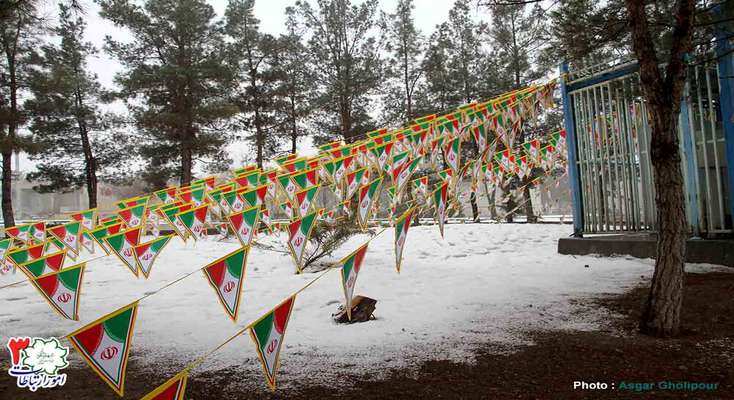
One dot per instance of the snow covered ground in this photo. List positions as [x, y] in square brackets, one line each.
[484, 283]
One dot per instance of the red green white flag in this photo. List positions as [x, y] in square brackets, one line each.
[133, 217]
[300, 231]
[20, 232]
[28, 253]
[226, 276]
[172, 389]
[244, 224]
[367, 195]
[196, 195]
[532, 149]
[194, 221]
[439, 201]
[88, 218]
[268, 333]
[38, 231]
[100, 233]
[62, 289]
[167, 195]
[105, 345]
[68, 234]
[132, 202]
[505, 160]
[5, 245]
[44, 265]
[402, 224]
[146, 253]
[305, 199]
[234, 201]
[254, 196]
[123, 245]
[354, 179]
[289, 187]
[453, 149]
[351, 265]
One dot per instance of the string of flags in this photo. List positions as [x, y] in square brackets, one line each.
[340, 181]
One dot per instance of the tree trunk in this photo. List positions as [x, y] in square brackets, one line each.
[294, 126]
[186, 164]
[529, 214]
[661, 314]
[474, 207]
[259, 139]
[663, 91]
[7, 189]
[90, 162]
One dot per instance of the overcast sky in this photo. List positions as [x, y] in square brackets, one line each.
[427, 14]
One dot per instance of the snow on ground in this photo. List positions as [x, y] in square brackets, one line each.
[485, 283]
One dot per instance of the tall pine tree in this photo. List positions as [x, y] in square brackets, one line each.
[66, 124]
[346, 62]
[174, 82]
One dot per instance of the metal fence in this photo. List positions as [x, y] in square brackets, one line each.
[609, 148]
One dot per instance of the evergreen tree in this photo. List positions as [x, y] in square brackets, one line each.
[174, 82]
[405, 44]
[346, 65]
[66, 124]
[295, 87]
[19, 34]
[255, 80]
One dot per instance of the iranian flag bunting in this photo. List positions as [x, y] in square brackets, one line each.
[133, 217]
[132, 202]
[100, 233]
[453, 151]
[254, 196]
[234, 201]
[123, 245]
[354, 180]
[367, 195]
[172, 389]
[289, 187]
[305, 199]
[44, 265]
[5, 245]
[226, 276]
[88, 218]
[28, 253]
[300, 231]
[439, 200]
[146, 253]
[105, 345]
[194, 220]
[68, 234]
[38, 231]
[268, 333]
[402, 224]
[196, 195]
[244, 224]
[20, 232]
[167, 195]
[351, 266]
[62, 289]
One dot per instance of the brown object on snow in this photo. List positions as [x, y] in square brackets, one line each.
[362, 309]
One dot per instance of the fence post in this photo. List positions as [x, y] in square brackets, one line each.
[573, 167]
[684, 123]
[725, 59]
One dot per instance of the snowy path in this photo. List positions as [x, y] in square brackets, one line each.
[483, 283]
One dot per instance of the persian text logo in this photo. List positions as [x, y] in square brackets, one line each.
[36, 363]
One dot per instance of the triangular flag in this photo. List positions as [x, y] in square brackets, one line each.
[62, 290]
[195, 220]
[226, 276]
[88, 218]
[44, 265]
[402, 224]
[146, 253]
[105, 345]
[367, 194]
[300, 231]
[351, 265]
[123, 245]
[68, 234]
[102, 232]
[268, 333]
[133, 216]
[439, 200]
[305, 198]
[244, 224]
[173, 389]
[28, 253]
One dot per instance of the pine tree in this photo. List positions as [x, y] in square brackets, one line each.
[346, 65]
[19, 34]
[295, 87]
[252, 56]
[174, 82]
[66, 124]
[405, 44]
[519, 33]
